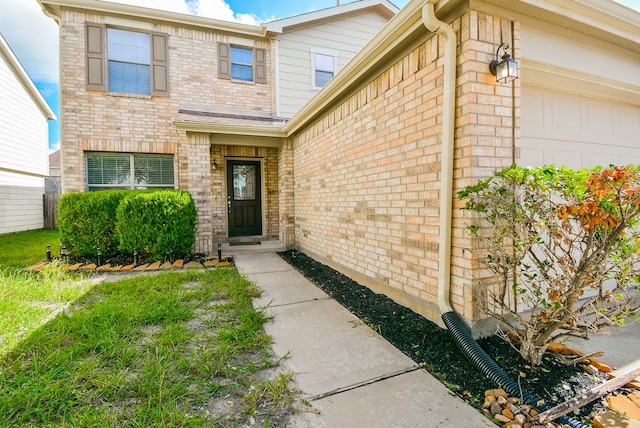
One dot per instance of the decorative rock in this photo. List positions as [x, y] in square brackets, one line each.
[223, 264]
[612, 419]
[496, 409]
[501, 400]
[508, 413]
[104, 267]
[166, 266]
[141, 267]
[178, 263]
[211, 263]
[624, 406]
[193, 265]
[154, 266]
[128, 267]
[89, 267]
[502, 418]
[75, 267]
[520, 419]
[488, 401]
[115, 268]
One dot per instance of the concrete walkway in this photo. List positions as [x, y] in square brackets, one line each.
[351, 376]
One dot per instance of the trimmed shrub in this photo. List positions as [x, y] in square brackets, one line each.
[86, 222]
[157, 222]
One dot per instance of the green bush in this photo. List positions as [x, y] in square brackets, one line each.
[86, 222]
[157, 222]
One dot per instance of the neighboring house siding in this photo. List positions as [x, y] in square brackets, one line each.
[343, 38]
[24, 160]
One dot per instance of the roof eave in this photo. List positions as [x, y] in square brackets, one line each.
[53, 7]
[384, 7]
[227, 129]
[25, 80]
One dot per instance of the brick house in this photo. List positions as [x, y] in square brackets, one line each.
[363, 176]
[159, 99]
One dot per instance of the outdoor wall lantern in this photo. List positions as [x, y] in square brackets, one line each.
[505, 69]
[214, 165]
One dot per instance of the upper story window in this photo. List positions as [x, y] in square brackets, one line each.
[123, 61]
[129, 171]
[324, 69]
[129, 57]
[242, 63]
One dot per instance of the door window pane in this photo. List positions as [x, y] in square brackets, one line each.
[244, 182]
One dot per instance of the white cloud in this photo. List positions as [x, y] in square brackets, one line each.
[32, 36]
[54, 147]
[220, 9]
[170, 5]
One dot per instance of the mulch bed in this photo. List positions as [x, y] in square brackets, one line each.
[432, 347]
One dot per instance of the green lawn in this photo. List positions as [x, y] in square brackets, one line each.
[22, 249]
[183, 349]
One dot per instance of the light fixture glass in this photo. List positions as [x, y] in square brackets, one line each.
[504, 68]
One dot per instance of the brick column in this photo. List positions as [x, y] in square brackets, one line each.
[487, 126]
[285, 200]
[199, 184]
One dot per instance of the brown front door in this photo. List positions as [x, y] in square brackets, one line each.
[244, 202]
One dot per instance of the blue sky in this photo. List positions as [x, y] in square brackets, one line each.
[34, 37]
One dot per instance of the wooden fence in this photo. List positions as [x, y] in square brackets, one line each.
[50, 206]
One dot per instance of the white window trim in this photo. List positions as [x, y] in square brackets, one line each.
[322, 51]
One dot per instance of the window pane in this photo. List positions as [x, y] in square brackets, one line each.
[242, 72]
[324, 63]
[129, 46]
[244, 182]
[153, 170]
[109, 169]
[129, 78]
[241, 55]
[322, 77]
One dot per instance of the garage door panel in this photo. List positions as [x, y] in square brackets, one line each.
[577, 131]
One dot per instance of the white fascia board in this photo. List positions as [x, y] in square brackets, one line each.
[53, 7]
[25, 80]
[385, 7]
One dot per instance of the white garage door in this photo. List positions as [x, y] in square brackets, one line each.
[577, 131]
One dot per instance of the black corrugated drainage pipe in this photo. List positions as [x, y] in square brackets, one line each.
[476, 355]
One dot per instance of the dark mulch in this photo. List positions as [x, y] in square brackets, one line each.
[431, 346]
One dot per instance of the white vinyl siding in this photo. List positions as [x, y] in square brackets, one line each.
[20, 202]
[577, 131]
[345, 37]
[25, 158]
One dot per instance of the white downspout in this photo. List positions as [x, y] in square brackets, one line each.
[433, 24]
